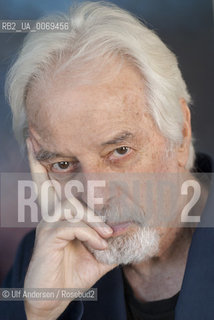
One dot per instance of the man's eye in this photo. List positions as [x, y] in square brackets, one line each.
[120, 152]
[62, 166]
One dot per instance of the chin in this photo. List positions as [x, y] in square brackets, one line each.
[131, 247]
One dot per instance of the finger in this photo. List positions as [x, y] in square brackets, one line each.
[35, 165]
[96, 222]
[69, 231]
[86, 214]
[39, 176]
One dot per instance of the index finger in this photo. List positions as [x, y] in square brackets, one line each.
[39, 174]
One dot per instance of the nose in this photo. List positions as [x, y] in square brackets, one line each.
[95, 180]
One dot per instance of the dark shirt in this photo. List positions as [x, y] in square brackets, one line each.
[154, 310]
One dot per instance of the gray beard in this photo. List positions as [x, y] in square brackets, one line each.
[132, 246]
[140, 245]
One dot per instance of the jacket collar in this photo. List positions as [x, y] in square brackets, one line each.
[196, 298]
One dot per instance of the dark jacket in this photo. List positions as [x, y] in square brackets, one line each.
[196, 298]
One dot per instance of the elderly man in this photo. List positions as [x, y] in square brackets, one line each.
[107, 97]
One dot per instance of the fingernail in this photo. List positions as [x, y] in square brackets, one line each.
[107, 230]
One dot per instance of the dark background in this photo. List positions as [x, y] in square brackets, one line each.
[186, 26]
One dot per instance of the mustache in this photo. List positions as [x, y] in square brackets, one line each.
[119, 211]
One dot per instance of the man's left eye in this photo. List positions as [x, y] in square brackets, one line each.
[120, 152]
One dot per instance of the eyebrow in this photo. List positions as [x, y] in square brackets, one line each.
[44, 155]
[123, 136]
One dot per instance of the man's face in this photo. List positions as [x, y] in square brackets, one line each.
[101, 127]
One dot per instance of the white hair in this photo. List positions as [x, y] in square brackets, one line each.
[101, 29]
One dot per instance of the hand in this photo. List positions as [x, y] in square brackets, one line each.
[60, 259]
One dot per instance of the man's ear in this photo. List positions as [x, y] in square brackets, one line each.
[183, 149]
